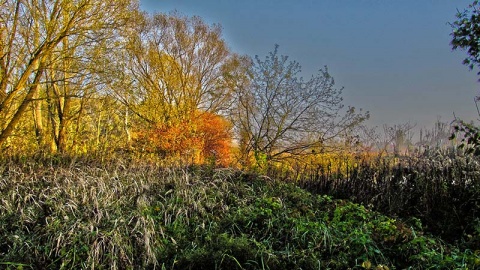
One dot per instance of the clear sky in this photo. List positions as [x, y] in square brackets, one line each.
[392, 57]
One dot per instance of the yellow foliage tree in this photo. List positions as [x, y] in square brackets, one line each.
[46, 51]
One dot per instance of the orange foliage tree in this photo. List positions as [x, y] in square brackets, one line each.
[203, 137]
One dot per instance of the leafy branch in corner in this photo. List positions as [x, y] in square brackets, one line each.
[470, 141]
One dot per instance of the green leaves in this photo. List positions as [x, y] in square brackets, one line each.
[466, 34]
[470, 141]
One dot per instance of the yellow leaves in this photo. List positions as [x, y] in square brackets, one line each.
[368, 265]
[179, 65]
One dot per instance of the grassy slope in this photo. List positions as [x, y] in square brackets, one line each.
[117, 217]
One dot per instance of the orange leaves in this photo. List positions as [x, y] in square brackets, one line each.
[203, 137]
[217, 140]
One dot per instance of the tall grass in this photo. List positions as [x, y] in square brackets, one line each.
[440, 188]
[82, 214]
[76, 216]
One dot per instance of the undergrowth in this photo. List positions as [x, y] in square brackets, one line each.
[85, 215]
[440, 189]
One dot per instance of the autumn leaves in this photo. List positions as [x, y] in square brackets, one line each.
[83, 77]
[205, 138]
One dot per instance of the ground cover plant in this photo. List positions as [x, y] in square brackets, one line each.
[440, 187]
[88, 215]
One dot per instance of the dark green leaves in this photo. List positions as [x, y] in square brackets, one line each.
[466, 34]
[470, 141]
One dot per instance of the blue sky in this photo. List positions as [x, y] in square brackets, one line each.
[392, 57]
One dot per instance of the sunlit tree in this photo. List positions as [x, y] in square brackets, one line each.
[46, 52]
[175, 65]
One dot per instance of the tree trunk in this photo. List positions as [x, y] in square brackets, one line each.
[23, 106]
[127, 128]
[38, 119]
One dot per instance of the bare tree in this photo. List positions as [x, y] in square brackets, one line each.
[281, 114]
[436, 137]
[398, 138]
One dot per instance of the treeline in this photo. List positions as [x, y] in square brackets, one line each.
[83, 77]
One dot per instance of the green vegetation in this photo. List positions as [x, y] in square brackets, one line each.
[465, 34]
[75, 214]
[439, 187]
[165, 91]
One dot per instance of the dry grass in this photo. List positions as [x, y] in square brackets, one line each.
[80, 211]
[79, 214]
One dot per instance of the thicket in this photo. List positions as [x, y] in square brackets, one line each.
[79, 214]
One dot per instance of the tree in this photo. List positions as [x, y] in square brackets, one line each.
[175, 65]
[172, 68]
[45, 49]
[466, 34]
[279, 114]
[398, 138]
[437, 137]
